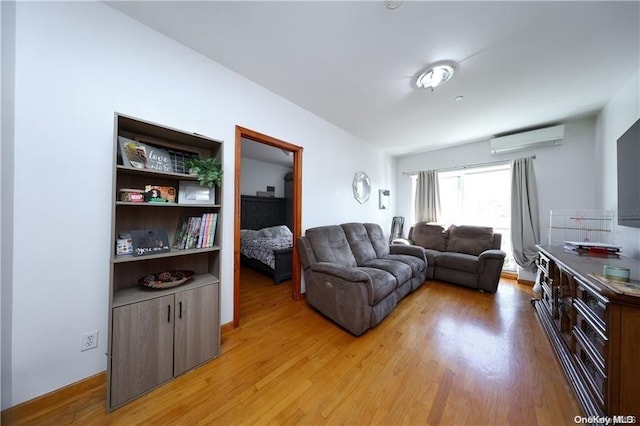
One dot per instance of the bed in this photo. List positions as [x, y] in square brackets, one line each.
[265, 240]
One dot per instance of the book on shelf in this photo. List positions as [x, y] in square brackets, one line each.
[207, 230]
[181, 233]
[592, 249]
[592, 245]
[211, 236]
[592, 252]
[201, 232]
[196, 231]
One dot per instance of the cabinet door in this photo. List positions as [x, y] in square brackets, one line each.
[142, 348]
[197, 327]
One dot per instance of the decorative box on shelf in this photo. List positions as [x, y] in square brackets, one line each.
[159, 194]
[124, 245]
[128, 195]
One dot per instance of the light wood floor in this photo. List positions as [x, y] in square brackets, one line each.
[446, 355]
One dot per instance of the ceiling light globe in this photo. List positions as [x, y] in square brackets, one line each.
[435, 76]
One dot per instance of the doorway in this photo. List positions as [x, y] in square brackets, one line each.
[241, 132]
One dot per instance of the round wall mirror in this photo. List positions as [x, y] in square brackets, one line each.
[361, 187]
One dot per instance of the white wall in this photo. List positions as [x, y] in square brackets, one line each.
[76, 64]
[7, 82]
[257, 175]
[564, 174]
[616, 117]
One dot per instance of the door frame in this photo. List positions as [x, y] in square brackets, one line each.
[242, 132]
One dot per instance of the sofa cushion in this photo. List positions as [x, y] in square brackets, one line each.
[470, 239]
[401, 271]
[429, 236]
[458, 261]
[382, 281]
[416, 264]
[330, 244]
[378, 241]
[358, 239]
[431, 256]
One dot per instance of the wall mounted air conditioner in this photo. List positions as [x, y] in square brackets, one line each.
[548, 136]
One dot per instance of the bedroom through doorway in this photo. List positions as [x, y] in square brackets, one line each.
[259, 161]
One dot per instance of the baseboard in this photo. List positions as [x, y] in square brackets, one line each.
[509, 275]
[514, 276]
[20, 413]
[226, 327]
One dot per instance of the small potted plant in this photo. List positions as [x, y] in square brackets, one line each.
[209, 171]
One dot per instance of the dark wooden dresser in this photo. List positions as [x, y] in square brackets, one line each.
[594, 330]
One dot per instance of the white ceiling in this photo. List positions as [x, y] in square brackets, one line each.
[521, 65]
[266, 153]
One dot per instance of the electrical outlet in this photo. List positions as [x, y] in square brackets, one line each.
[89, 340]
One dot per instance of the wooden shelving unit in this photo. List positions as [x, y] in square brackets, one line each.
[157, 334]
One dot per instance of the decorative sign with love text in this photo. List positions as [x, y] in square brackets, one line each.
[143, 156]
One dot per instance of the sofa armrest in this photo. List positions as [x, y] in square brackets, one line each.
[345, 280]
[343, 272]
[492, 254]
[306, 254]
[490, 267]
[401, 241]
[412, 250]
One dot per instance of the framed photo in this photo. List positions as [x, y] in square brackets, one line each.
[384, 199]
[191, 192]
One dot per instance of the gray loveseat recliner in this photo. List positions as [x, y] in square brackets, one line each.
[354, 277]
[465, 255]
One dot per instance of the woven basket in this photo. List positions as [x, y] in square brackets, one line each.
[166, 279]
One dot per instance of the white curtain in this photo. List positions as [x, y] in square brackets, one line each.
[427, 206]
[525, 223]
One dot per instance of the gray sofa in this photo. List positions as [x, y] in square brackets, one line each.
[354, 277]
[465, 255]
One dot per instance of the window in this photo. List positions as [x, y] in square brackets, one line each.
[478, 196]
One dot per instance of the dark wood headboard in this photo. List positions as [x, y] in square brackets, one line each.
[261, 212]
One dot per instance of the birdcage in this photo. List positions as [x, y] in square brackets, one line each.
[595, 226]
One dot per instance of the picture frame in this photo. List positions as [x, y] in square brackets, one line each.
[191, 192]
[385, 202]
[147, 242]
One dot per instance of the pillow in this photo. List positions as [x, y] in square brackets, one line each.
[276, 231]
[249, 234]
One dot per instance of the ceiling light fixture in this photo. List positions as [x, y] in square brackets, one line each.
[393, 4]
[434, 76]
